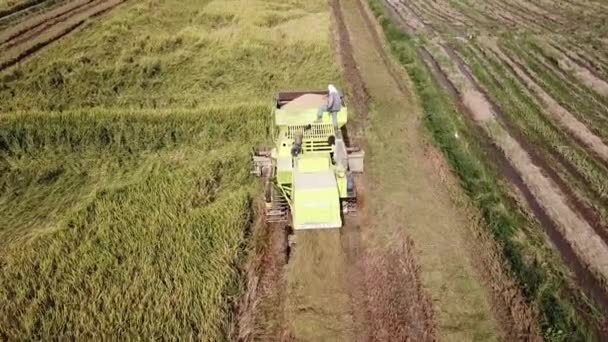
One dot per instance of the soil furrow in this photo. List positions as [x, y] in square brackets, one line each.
[574, 96]
[34, 21]
[589, 214]
[588, 245]
[583, 60]
[517, 321]
[518, 318]
[584, 75]
[409, 18]
[442, 16]
[446, 11]
[553, 108]
[584, 277]
[28, 32]
[475, 14]
[410, 8]
[21, 7]
[53, 33]
[519, 19]
[532, 14]
[559, 183]
[27, 12]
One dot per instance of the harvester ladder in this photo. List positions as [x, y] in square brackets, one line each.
[277, 210]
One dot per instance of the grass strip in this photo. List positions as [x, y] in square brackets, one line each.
[535, 267]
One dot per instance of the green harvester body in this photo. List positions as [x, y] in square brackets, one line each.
[315, 184]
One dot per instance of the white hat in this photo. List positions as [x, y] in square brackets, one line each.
[332, 89]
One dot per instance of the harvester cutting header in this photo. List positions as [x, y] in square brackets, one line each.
[309, 171]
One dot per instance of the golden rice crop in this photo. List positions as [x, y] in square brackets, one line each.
[124, 224]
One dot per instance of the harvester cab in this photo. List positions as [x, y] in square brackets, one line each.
[310, 170]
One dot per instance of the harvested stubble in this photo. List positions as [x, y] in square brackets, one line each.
[124, 224]
[536, 268]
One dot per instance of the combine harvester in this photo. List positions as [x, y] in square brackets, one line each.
[309, 172]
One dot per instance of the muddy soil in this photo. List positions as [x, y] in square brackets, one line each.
[37, 23]
[553, 108]
[550, 198]
[395, 225]
[37, 32]
[413, 264]
[261, 314]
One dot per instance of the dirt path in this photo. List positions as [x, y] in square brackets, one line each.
[410, 218]
[413, 265]
[318, 296]
[260, 313]
[20, 7]
[37, 32]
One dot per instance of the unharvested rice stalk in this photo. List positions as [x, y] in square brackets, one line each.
[141, 217]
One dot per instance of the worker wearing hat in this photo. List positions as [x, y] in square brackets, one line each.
[333, 105]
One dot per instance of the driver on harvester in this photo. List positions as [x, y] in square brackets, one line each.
[333, 105]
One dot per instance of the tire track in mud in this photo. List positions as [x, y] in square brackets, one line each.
[552, 176]
[515, 315]
[30, 28]
[583, 276]
[43, 30]
[587, 279]
[384, 283]
[589, 213]
[260, 312]
[20, 8]
[351, 234]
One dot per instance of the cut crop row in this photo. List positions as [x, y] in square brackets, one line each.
[526, 114]
[583, 80]
[564, 88]
[8, 7]
[535, 266]
[577, 55]
[36, 7]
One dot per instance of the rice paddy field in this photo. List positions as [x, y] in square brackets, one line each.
[515, 96]
[127, 209]
[126, 203]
